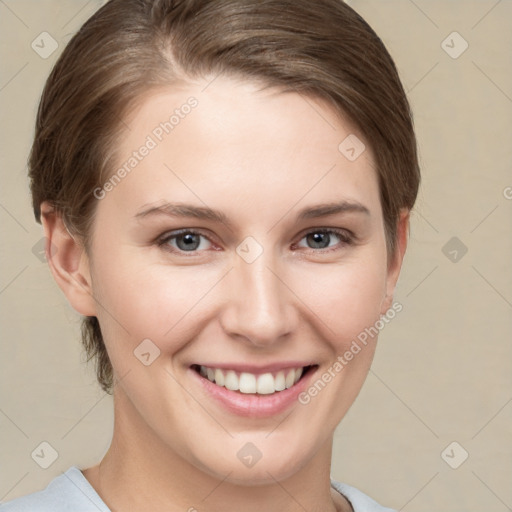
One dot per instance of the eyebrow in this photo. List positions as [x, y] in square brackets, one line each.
[205, 213]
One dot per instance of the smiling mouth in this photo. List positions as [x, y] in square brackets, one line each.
[250, 383]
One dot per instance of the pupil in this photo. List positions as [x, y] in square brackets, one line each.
[190, 241]
[320, 240]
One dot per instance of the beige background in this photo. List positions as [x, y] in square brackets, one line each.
[443, 369]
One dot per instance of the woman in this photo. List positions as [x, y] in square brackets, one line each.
[225, 189]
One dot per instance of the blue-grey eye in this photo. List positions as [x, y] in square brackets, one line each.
[186, 241]
[319, 240]
[322, 238]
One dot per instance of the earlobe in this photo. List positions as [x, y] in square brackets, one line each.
[395, 264]
[68, 262]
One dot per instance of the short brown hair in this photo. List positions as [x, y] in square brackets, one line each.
[320, 48]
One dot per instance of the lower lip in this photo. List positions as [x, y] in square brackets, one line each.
[253, 405]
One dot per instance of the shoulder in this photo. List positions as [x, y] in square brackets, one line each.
[360, 502]
[72, 491]
[68, 491]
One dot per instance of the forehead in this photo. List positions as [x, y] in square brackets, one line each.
[213, 140]
[238, 110]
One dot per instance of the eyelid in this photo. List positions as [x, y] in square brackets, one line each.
[327, 229]
[346, 237]
[176, 232]
[169, 235]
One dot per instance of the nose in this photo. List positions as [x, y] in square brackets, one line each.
[260, 306]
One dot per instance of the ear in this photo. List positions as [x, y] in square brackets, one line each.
[395, 264]
[68, 262]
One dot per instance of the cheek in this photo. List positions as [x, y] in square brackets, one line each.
[169, 304]
[152, 301]
[346, 298]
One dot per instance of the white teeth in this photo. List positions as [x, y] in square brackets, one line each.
[219, 377]
[247, 383]
[264, 384]
[290, 379]
[279, 381]
[231, 381]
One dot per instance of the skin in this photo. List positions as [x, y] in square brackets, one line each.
[259, 157]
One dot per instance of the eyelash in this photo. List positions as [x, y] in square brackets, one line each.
[346, 237]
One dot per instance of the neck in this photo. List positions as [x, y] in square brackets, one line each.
[139, 472]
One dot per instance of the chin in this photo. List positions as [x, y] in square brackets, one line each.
[253, 467]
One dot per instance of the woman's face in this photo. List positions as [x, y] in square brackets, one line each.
[245, 240]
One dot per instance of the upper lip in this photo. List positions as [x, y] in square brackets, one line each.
[255, 369]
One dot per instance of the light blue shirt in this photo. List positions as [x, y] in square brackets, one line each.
[72, 492]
